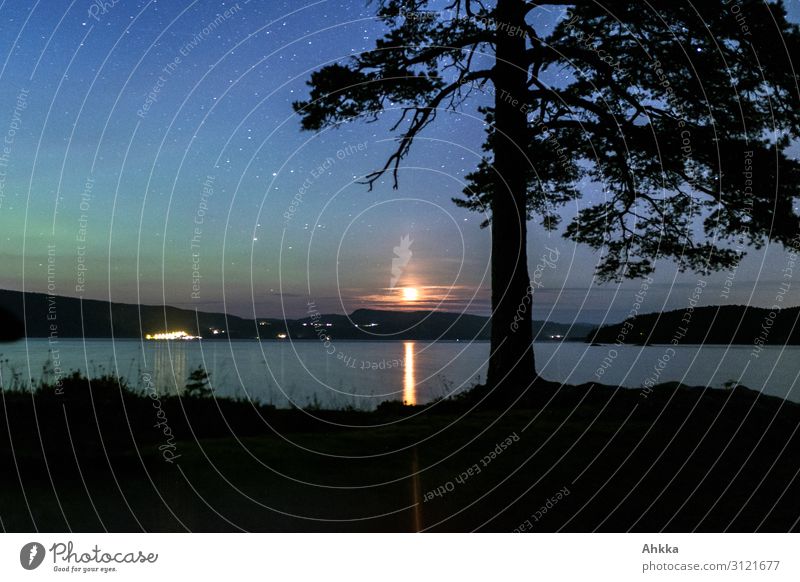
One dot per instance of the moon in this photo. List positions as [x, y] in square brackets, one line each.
[410, 293]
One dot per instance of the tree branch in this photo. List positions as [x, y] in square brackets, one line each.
[423, 115]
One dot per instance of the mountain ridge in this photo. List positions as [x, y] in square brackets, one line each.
[722, 324]
[70, 317]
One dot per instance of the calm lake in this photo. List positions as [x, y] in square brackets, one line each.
[362, 374]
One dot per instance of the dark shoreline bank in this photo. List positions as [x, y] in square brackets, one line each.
[678, 459]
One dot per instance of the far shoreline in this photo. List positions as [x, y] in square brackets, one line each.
[395, 340]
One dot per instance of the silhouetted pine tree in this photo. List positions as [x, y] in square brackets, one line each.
[681, 111]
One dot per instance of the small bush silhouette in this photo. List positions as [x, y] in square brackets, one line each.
[198, 384]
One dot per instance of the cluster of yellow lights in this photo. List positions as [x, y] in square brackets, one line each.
[171, 335]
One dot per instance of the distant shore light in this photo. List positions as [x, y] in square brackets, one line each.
[171, 335]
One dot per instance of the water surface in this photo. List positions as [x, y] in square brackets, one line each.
[362, 374]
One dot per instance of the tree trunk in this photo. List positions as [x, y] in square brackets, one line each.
[511, 363]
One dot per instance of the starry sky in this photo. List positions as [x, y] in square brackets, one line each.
[153, 156]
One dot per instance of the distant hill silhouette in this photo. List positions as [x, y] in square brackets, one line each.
[730, 324]
[102, 319]
[11, 328]
[94, 318]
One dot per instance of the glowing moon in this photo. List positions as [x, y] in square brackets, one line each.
[410, 293]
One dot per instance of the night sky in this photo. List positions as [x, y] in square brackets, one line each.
[151, 142]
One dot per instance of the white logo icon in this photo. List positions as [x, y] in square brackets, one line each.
[402, 257]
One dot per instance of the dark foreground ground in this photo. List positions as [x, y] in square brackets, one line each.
[681, 459]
